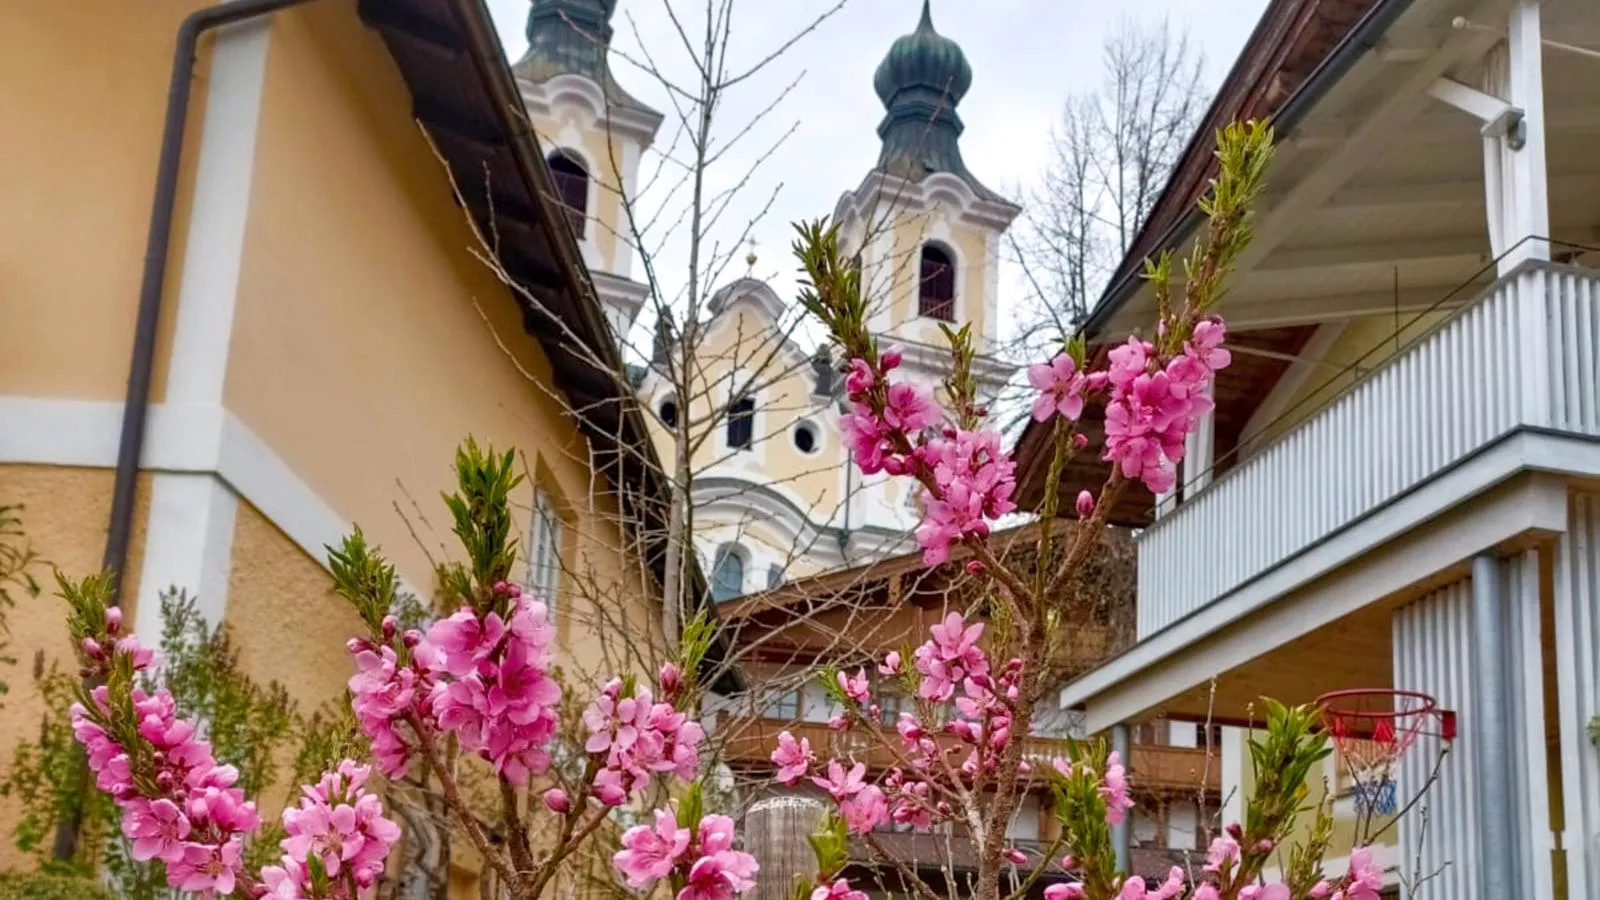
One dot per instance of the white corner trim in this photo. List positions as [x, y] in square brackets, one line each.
[188, 547]
[214, 250]
[185, 439]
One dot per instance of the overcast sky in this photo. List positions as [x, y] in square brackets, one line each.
[1027, 56]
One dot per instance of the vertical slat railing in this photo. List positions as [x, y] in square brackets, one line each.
[1445, 395]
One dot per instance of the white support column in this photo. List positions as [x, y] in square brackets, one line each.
[1525, 210]
[1199, 453]
[189, 534]
[1577, 645]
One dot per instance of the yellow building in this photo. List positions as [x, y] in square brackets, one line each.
[774, 494]
[308, 327]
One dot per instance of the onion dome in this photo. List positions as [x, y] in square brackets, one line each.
[572, 37]
[920, 81]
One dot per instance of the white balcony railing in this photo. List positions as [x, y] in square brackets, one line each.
[1524, 353]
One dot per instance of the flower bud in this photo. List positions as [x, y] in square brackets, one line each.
[1085, 504]
[610, 794]
[671, 679]
[91, 648]
[891, 358]
[1080, 440]
[390, 626]
[411, 638]
[1015, 856]
[1265, 845]
[355, 645]
[891, 664]
[557, 801]
[974, 567]
[113, 620]
[1069, 862]
[1235, 831]
[838, 723]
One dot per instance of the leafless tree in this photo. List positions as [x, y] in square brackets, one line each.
[1112, 154]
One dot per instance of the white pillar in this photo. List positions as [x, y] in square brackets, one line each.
[1577, 640]
[1199, 453]
[1524, 208]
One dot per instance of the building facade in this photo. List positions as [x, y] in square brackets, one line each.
[1396, 490]
[774, 493]
[316, 339]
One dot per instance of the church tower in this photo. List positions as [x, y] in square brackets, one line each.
[927, 231]
[594, 134]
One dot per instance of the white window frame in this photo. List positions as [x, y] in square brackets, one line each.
[544, 549]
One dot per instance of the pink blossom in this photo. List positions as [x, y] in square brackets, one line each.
[557, 801]
[464, 640]
[1114, 788]
[340, 823]
[1365, 880]
[909, 408]
[840, 889]
[1205, 343]
[649, 853]
[891, 357]
[1134, 888]
[793, 758]
[1070, 890]
[1060, 386]
[1206, 892]
[207, 869]
[1222, 856]
[865, 809]
[1014, 856]
[670, 680]
[855, 686]
[842, 784]
[1274, 891]
[860, 378]
[975, 481]
[950, 656]
[891, 664]
[1085, 504]
[157, 829]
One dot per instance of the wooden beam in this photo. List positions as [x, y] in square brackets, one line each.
[1249, 313]
[394, 20]
[1386, 254]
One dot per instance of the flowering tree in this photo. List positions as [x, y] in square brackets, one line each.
[959, 752]
[479, 682]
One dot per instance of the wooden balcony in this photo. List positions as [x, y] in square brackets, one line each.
[1521, 358]
[1154, 769]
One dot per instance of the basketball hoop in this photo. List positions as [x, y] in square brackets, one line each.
[1372, 728]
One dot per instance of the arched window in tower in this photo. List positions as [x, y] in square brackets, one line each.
[570, 180]
[727, 573]
[936, 295]
[742, 423]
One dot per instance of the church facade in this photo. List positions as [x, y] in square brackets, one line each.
[775, 495]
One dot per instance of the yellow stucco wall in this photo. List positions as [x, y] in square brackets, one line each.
[64, 521]
[78, 182]
[365, 337]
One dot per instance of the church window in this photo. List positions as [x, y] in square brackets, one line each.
[669, 411]
[727, 573]
[742, 423]
[936, 296]
[570, 181]
[806, 438]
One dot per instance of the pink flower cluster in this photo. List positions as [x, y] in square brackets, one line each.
[342, 825]
[178, 804]
[1134, 888]
[703, 857]
[839, 889]
[890, 428]
[1152, 408]
[1113, 788]
[500, 701]
[638, 736]
[484, 678]
[974, 481]
[863, 806]
[978, 733]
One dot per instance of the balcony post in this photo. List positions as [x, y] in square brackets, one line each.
[1489, 730]
[1200, 452]
[1122, 832]
[1523, 204]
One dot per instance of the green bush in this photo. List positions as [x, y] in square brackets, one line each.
[17, 886]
